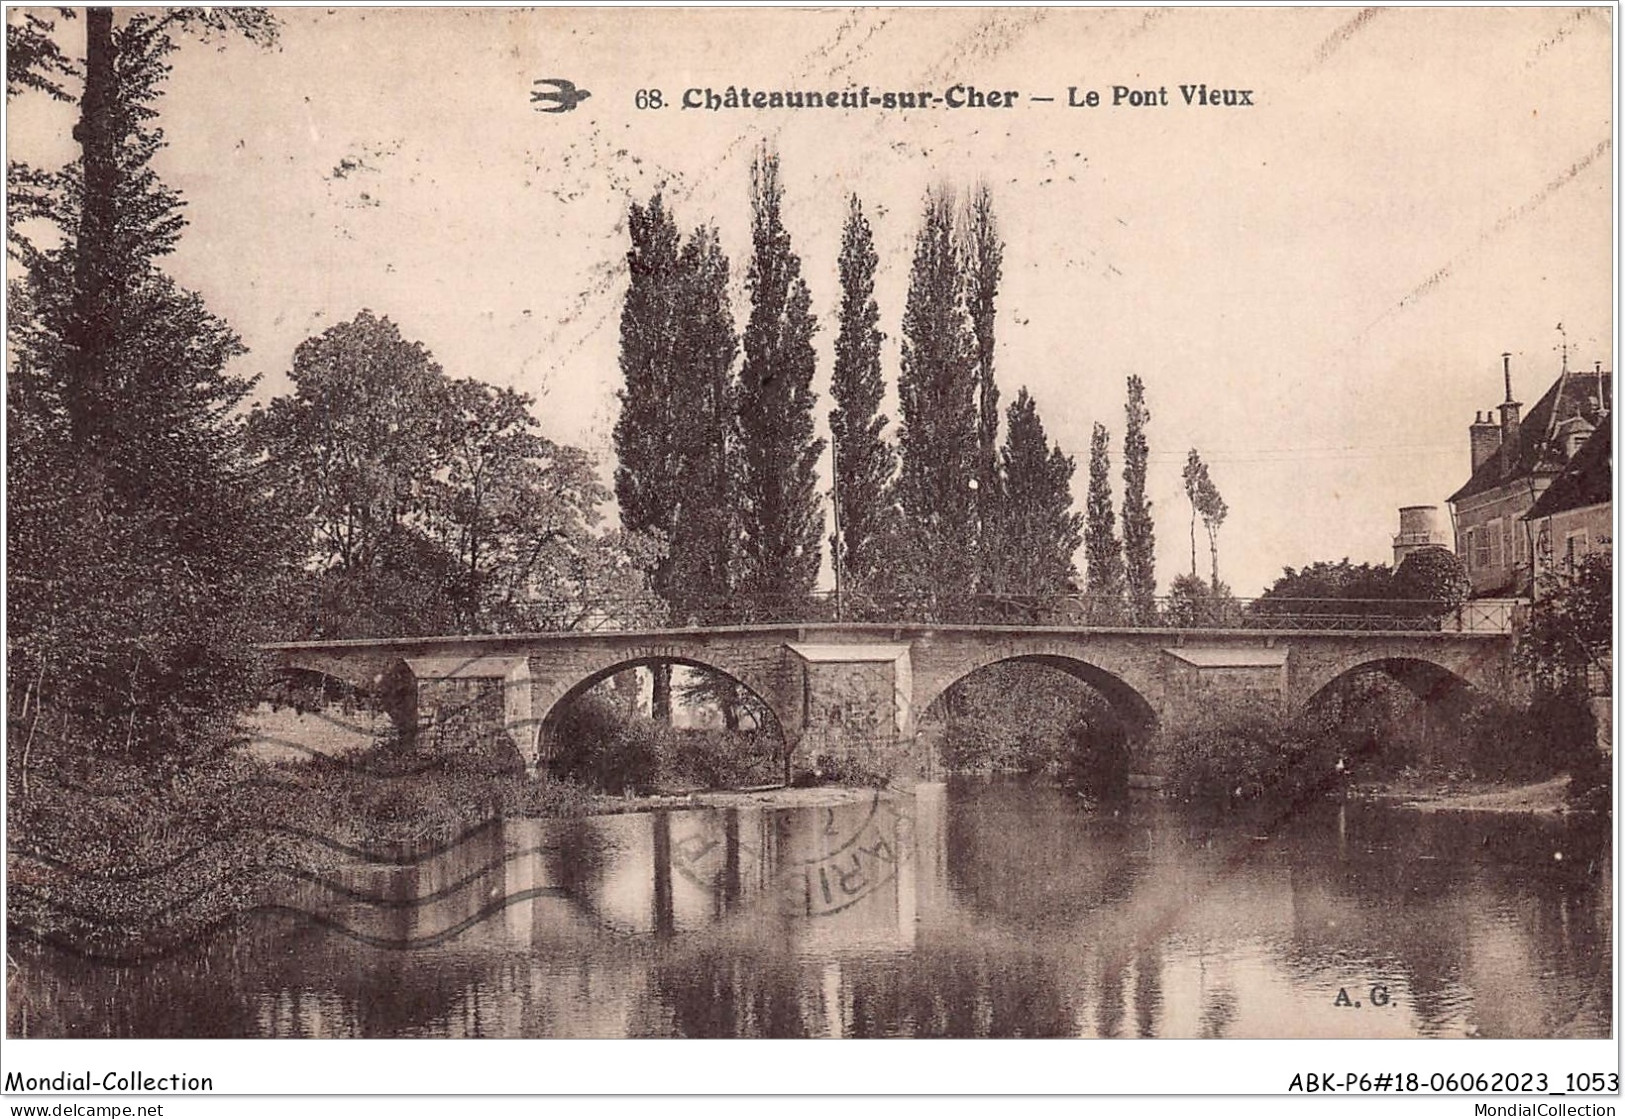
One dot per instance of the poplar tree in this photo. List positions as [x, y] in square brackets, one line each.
[983, 258]
[676, 441]
[1139, 536]
[647, 480]
[864, 461]
[939, 435]
[1040, 533]
[1195, 476]
[1103, 551]
[1213, 510]
[704, 547]
[781, 516]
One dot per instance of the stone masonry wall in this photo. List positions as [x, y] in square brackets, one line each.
[851, 718]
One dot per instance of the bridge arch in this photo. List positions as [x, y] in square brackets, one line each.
[1127, 699]
[1377, 730]
[1429, 680]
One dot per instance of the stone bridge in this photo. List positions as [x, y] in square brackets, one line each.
[857, 691]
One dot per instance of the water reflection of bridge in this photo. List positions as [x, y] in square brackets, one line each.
[1004, 917]
[845, 873]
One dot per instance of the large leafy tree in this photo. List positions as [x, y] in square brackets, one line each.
[518, 514]
[939, 435]
[1139, 534]
[351, 459]
[137, 551]
[1103, 551]
[422, 504]
[781, 516]
[1326, 587]
[356, 445]
[1432, 574]
[864, 460]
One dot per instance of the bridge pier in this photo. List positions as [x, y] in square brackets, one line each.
[856, 711]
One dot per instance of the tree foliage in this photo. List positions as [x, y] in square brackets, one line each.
[1570, 632]
[34, 60]
[1432, 574]
[1103, 550]
[1192, 601]
[1433, 580]
[137, 547]
[939, 435]
[1195, 475]
[1038, 531]
[425, 504]
[1139, 534]
[676, 438]
[781, 516]
[1207, 504]
[1324, 579]
[982, 261]
[1013, 717]
[648, 479]
[354, 447]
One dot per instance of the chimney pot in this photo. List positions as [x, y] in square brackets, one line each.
[1484, 439]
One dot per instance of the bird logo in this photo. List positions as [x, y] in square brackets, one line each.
[566, 94]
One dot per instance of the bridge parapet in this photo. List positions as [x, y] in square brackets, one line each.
[1074, 611]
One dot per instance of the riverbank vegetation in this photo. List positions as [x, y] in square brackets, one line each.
[1018, 718]
[1375, 733]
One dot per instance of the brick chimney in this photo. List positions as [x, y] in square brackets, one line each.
[1509, 419]
[1485, 438]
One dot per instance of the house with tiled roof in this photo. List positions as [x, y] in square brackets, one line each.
[1514, 463]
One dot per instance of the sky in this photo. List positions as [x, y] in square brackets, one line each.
[1316, 288]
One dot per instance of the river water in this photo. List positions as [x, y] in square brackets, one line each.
[963, 910]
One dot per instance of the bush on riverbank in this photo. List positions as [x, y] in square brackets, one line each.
[605, 748]
[997, 744]
[1556, 734]
[1094, 759]
[1016, 717]
[832, 769]
[1244, 749]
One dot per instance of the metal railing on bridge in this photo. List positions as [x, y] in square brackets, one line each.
[1285, 615]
